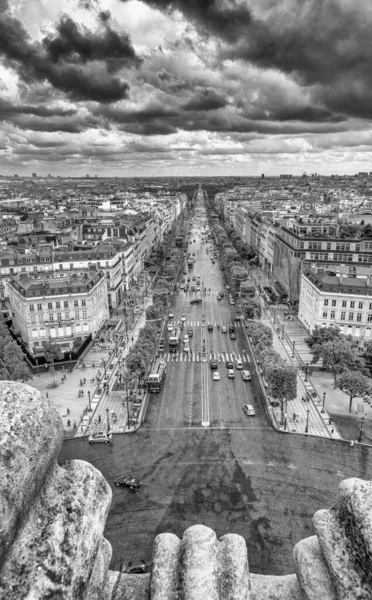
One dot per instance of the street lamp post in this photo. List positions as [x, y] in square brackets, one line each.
[283, 331]
[307, 420]
[306, 371]
[108, 420]
[324, 397]
[361, 430]
[90, 407]
[293, 349]
[104, 366]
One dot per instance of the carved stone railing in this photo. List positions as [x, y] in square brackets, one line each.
[52, 521]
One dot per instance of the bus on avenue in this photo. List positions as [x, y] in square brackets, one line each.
[157, 376]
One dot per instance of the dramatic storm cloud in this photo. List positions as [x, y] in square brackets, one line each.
[190, 86]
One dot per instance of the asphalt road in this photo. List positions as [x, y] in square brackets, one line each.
[237, 475]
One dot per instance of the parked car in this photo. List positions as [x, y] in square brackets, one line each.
[134, 567]
[100, 437]
[127, 481]
[273, 401]
[246, 375]
[216, 376]
[249, 410]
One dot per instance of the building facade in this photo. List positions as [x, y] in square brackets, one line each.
[342, 298]
[58, 310]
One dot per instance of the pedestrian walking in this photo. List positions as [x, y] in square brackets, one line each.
[68, 423]
[68, 411]
[294, 416]
[332, 430]
[47, 394]
[99, 418]
[132, 339]
[81, 383]
[84, 380]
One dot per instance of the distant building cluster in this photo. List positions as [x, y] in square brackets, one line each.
[313, 235]
[72, 252]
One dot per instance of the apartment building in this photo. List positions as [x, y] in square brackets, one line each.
[342, 297]
[60, 262]
[59, 309]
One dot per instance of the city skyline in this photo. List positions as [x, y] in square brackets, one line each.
[172, 88]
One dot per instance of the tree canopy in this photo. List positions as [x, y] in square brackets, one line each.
[338, 355]
[12, 363]
[355, 384]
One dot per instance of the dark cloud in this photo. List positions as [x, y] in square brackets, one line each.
[205, 99]
[33, 63]
[9, 108]
[225, 19]
[80, 45]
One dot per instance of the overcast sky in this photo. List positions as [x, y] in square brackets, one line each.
[185, 87]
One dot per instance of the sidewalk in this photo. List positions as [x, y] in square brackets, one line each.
[336, 403]
[65, 395]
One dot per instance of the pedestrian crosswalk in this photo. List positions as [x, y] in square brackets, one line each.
[222, 357]
[177, 323]
[198, 293]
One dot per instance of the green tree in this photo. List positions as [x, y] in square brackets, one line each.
[355, 384]
[52, 352]
[12, 364]
[321, 335]
[338, 355]
[282, 380]
[252, 309]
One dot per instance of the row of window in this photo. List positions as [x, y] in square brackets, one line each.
[344, 303]
[39, 306]
[359, 316]
[59, 317]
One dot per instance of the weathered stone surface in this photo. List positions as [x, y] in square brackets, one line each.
[31, 435]
[312, 572]
[164, 580]
[199, 566]
[54, 543]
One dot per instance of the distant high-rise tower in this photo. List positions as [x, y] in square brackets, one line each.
[263, 176]
[34, 175]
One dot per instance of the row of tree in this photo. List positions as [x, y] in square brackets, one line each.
[280, 376]
[12, 363]
[340, 356]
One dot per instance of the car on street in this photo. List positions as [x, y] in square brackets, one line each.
[249, 410]
[214, 364]
[170, 327]
[182, 285]
[232, 302]
[135, 567]
[196, 301]
[216, 376]
[223, 329]
[186, 347]
[239, 364]
[190, 333]
[210, 326]
[170, 315]
[246, 375]
[100, 437]
[213, 261]
[229, 364]
[232, 336]
[161, 345]
[194, 278]
[273, 401]
[222, 294]
[183, 318]
[219, 297]
[230, 373]
[227, 287]
[127, 481]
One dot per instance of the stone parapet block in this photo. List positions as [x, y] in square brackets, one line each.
[200, 566]
[312, 572]
[344, 534]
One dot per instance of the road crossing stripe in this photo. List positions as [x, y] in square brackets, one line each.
[194, 357]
